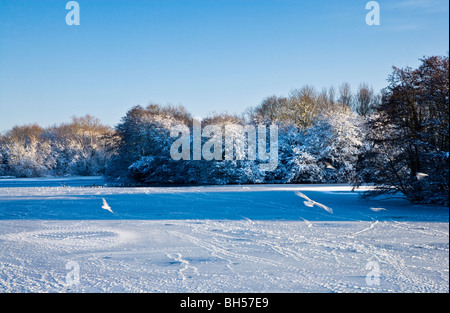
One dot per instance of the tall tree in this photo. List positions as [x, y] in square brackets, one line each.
[345, 95]
[365, 100]
[409, 134]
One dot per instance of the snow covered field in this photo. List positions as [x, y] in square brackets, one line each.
[55, 237]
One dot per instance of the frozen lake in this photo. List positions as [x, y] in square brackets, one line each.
[216, 239]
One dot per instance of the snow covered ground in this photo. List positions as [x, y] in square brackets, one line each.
[55, 237]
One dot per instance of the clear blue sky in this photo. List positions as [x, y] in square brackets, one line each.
[208, 55]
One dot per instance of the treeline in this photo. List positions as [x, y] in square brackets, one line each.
[82, 147]
[314, 133]
[397, 140]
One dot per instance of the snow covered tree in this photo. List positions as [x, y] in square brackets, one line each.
[143, 152]
[80, 146]
[409, 134]
[296, 164]
[237, 165]
[325, 152]
[32, 160]
[76, 148]
[24, 152]
[335, 141]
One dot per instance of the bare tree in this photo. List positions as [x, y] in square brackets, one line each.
[365, 100]
[345, 95]
[331, 96]
[303, 106]
[26, 134]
